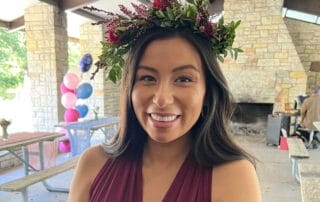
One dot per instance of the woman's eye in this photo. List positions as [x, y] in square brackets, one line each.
[147, 78]
[183, 79]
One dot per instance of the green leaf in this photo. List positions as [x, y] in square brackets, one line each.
[160, 14]
[220, 58]
[170, 13]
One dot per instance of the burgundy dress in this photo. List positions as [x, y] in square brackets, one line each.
[120, 180]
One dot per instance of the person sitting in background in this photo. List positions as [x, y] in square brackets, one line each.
[310, 109]
[310, 112]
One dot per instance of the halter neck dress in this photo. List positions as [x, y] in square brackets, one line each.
[120, 180]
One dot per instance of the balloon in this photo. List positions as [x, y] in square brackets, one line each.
[84, 91]
[83, 110]
[64, 146]
[71, 115]
[71, 80]
[68, 100]
[85, 62]
[64, 89]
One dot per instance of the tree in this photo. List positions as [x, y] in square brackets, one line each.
[73, 54]
[13, 62]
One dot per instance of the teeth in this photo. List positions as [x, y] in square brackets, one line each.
[163, 118]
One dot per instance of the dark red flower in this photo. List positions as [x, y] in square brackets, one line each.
[208, 29]
[161, 4]
[112, 37]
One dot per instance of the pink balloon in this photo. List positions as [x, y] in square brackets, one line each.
[64, 89]
[68, 100]
[71, 80]
[71, 115]
[64, 146]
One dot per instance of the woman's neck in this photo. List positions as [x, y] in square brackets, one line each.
[166, 153]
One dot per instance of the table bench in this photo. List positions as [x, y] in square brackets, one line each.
[297, 151]
[309, 182]
[21, 184]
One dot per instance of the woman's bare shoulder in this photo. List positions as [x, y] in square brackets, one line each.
[235, 181]
[88, 167]
[93, 156]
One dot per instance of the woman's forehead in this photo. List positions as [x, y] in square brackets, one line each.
[174, 52]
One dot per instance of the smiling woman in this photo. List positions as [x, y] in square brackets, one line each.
[173, 143]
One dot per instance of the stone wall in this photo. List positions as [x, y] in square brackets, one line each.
[106, 94]
[46, 41]
[306, 39]
[269, 70]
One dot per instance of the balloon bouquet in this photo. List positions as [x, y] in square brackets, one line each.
[73, 95]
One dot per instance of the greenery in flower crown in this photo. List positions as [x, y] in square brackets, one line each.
[123, 30]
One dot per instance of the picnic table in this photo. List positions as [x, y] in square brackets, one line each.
[81, 132]
[310, 182]
[21, 140]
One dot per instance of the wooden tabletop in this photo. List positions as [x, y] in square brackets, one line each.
[20, 139]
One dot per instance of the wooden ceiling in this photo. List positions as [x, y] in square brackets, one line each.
[307, 6]
[75, 6]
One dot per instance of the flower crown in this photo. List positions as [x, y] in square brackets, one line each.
[123, 30]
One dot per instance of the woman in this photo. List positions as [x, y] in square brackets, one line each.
[177, 105]
[174, 140]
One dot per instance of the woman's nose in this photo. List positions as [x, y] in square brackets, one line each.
[163, 96]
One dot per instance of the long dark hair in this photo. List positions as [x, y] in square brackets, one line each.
[212, 144]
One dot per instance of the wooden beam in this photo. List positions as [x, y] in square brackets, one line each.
[315, 66]
[75, 4]
[17, 24]
[51, 2]
[215, 6]
[307, 6]
[4, 24]
[87, 14]
[68, 4]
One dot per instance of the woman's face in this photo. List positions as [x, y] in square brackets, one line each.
[169, 89]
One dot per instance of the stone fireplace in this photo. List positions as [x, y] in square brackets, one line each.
[269, 71]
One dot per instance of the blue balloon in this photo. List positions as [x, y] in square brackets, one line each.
[84, 91]
[83, 110]
[86, 62]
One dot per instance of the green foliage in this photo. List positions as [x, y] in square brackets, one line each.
[73, 55]
[123, 30]
[13, 62]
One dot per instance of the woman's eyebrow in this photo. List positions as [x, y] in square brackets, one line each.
[148, 68]
[179, 68]
[186, 67]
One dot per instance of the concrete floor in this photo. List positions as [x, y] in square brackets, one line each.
[273, 168]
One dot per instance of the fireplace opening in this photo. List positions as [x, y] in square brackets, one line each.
[252, 112]
[251, 118]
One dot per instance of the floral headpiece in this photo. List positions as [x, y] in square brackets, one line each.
[123, 30]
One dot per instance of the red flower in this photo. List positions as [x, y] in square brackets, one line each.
[160, 4]
[208, 29]
[112, 37]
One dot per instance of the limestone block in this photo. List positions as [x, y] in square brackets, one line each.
[297, 75]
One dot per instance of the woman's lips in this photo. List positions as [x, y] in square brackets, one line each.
[163, 121]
